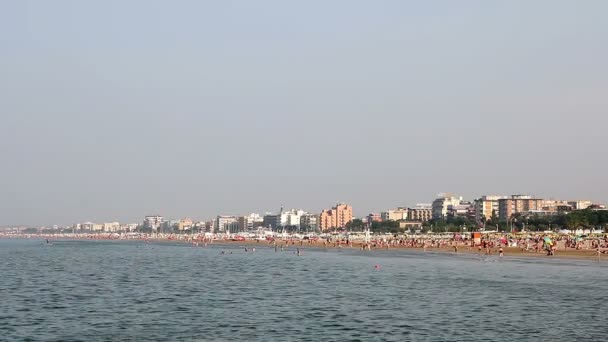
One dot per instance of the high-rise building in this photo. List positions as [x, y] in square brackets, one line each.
[420, 214]
[222, 222]
[517, 204]
[486, 206]
[336, 217]
[309, 223]
[272, 221]
[463, 209]
[442, 204]
[291, 217]
[250, 222]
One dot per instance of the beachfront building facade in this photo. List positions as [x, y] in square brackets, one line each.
[580, 205]
[399, 214]
[486, 206]
[250, 222]
[515, 204]
[272, 221]
[336, 217]
[309, 223]
[419, 214]
[464, 209]
[111, 227]
[442, 204]
[222, 223]
[153, 222]
[291, 218]
[184, 224]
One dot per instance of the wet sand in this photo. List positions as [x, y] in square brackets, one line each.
[569, 253]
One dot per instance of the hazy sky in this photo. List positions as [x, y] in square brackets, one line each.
[111, 110]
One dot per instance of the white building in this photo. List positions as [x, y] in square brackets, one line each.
[442, 204]
[291, 217]
[251, 222]
[580, 205]
[222, 223]
[129, 227]
[111, 227]
[153, 222]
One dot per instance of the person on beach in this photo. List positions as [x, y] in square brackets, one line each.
[501, 252]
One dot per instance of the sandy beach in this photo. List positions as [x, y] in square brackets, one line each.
[568, 253]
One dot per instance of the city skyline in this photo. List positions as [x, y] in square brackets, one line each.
[114, 110]
[468, 202]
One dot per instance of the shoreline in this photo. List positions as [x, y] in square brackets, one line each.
[568, 254]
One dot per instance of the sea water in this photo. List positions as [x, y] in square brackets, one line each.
[138, 291]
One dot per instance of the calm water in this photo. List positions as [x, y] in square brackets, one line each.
[114, 291]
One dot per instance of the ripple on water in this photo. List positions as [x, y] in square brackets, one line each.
[129, 291]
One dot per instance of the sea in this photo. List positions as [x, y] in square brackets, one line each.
[157, 291]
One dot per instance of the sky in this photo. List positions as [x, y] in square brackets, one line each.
[113, 110]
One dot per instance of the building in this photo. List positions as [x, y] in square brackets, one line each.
[517, 204]
[309, 223]
[184, 224]
[291, 218]
[580, 205]
[153, 222]
[556, 206]
[210, 226]
[464, 209]
[129, 227]
[442, 204]
[374, 217]
[233, 227]
[222, 223]
[420, 214]
[272, 221]
[86, 227]
[250, 222]
[336, 217]
[111, 227]
[399, 214]
[486, 206]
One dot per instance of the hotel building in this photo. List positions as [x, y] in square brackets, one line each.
[336, 217]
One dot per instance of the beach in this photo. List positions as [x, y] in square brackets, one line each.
[447, 246]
